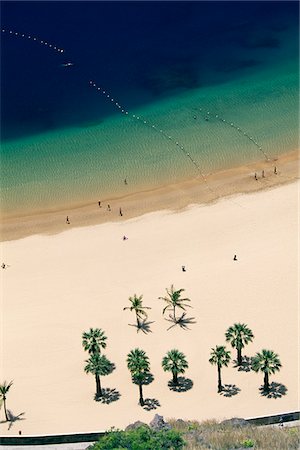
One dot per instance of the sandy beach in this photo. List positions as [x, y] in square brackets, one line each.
[58, 285]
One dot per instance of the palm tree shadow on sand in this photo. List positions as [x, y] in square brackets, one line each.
[12, 418]
[246, 365]
[143, 326]
[229, 390]
[181, 321]
[184, 384]
[276, 390]
[150, 404]
[108, 396]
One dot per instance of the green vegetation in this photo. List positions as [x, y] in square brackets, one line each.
[98, 365]
[174, 300]
[139, 367]
[239, 335]
[248, 443]
[267, 362]
[201, 436]
[4, 388]
[138, 308]
[142, 438]
[220, 436]
[174, 362]
[220, 357]
[93, 340]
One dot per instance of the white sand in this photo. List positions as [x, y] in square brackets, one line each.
[58, 286]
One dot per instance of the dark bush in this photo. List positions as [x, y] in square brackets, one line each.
[142, 438]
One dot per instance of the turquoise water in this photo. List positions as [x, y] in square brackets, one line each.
[84, 164]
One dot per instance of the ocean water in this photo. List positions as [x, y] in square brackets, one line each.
[174, 65]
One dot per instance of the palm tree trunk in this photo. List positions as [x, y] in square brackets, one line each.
[239, 356]
[5, 410]
[266, 382]
[98, 386]
[174, 313]
[141, 401]
[220, 387]
[175, 378]
[137, 321]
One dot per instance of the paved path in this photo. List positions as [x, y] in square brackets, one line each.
[84, 445]
[293, 423]
[75, 446]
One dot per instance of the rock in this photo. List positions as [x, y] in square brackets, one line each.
[236, 422]
[181, 422]
[158, 423]
[135, 425]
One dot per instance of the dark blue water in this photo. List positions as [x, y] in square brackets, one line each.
[139, 51]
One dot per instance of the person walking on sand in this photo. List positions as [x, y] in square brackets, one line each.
[235, 258]
[255, 176]
[108, 208]
[120, 211]
[67, 220]
[125, 181]
[183, 268]
[263, 174]
[99, 203]
[3, 266]
[275, 170]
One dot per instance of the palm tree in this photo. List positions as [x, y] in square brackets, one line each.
[4, 388]
[93, 340]
[139, 367]
[98, 364]
[175, 362]
[267, 362]
[220, 357]
[174, 300]
[138, 308]
[239, 335]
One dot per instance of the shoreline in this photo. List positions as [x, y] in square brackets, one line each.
[173, 197]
